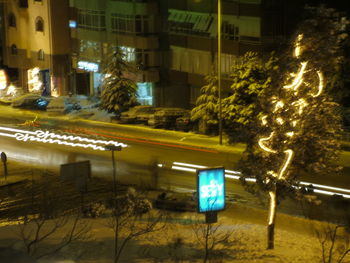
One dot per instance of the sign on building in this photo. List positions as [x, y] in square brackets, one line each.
[211, 189]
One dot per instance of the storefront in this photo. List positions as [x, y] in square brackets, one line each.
[145, 93]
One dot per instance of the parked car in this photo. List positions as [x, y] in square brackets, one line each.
[176, 202]
[144, 115]
[31, 101]
[166, 117]
[184, 123]
[130, 116]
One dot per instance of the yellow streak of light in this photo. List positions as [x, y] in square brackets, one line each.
[289, 154]
[265, 148]
[320, 85]
[298, 79]
[280, 121]
[272, 207]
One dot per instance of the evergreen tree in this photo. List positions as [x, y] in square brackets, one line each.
[206, 109]
[300, 131]
[251, 77]
[118, 92]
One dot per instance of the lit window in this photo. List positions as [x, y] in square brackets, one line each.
[12, 20]
[41, 55]
[72, 23]
[145, 93]
[39, 24]
[14, 50]
[129, 53]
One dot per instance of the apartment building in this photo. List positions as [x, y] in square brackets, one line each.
[97, 27]
[247, 25]
[36, 44]
[172, 43]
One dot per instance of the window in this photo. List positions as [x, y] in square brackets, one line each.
[229, 31]
[39, 24]
[41, 55]
[129, 53]
[121, 23]
[189, 22]
[145, 93]
[14, 50]
[92, 20]
[12, 20]
[72, 24]
[90, 49]
[23, 3]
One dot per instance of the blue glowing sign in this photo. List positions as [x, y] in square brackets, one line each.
[211, 189]
[88, 66]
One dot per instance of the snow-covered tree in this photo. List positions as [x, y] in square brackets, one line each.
[300, 130]
[206, 109]
[132, 218]
[118, 92]
[251, 76]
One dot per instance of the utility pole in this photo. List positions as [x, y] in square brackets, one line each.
[113, 148]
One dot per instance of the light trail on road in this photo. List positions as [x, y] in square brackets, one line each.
[144, 140]
[188, 167]
[50, 137]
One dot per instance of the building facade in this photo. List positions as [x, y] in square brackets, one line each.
[246, 25]
[173, 44]
[97, 27]
[36, 46]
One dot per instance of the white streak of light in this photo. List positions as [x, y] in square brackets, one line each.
[326, 187]
[190, 165]
[183, 168]
[330, 193]
[8, 135]
[232, 172]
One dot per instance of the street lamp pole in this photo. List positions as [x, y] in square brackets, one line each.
[219, 71]
[113, 148]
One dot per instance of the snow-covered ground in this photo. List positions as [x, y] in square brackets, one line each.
[177, 241]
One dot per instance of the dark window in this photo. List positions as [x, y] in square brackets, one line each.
[39, 24]
[23, 3]
[41, 55]
[12, 20]
[14, 50]
[92, 20]
[121, 23]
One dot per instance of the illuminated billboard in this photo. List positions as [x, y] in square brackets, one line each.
[211, 189]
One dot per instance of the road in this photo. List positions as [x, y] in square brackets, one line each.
[147, 160]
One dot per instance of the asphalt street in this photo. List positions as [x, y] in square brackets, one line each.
[147, 160]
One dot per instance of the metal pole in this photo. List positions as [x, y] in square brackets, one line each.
[219, 71]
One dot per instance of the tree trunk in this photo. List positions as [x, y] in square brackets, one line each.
[271, 220]
[206, 256]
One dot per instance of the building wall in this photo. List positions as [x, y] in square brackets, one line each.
[53, 41]
[117, 23]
